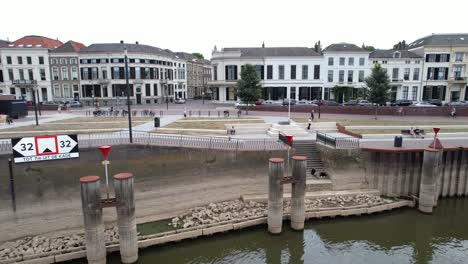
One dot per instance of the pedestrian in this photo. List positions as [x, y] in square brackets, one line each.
[239, 113]
[9, 120]
[67, 105]
[312, 114]
[310, 123]
[185, 112]
[453, 112]
[59, 108]
[400, 111]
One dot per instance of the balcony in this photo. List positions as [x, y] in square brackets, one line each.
[458, 79]
[394, 80]
[138, 81]
[24, 82]
[103, 81]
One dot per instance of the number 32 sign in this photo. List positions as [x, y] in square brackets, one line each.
[42, 148]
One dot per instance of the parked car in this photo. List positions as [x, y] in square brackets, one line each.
[459, 103]
[351, 102]
[179, 101]
[402, 103]
[437, 102]
[286, 102]
[75, 104]
[259, 102]
[51, 103]
[364, 102]
[268, 102]
[330, 103]
[241, 104]
[318, 102]
[303, 102]
[424, 104]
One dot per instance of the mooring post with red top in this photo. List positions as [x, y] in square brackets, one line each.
[105, 153]
[275, 195]
[298, 192]
[92, 215]
[126, 220]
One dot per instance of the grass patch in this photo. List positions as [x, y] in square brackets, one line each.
[398, 131]
[102, 119]
[371, 122]
[155, 227]
[209, 124]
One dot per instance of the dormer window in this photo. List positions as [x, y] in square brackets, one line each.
[396, 55]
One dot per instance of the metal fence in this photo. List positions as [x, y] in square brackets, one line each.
[151, 139]
[337, 142]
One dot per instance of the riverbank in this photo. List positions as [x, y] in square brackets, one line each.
[199, 221]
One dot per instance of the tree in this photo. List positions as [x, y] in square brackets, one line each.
[379, 85]
[248, 88]
[368, 48]
[318, 47]
[198, 55]
[401, 45]
[341, 93]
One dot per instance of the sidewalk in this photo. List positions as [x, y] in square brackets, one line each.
[42, 119]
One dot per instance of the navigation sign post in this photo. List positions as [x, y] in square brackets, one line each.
[105, 153]
[41, 148]
[288, 140]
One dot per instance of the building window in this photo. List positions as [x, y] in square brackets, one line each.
[12, 90]
[64, 73]
[330, 76]
[316, 72]
[430, 73]
[63, 61]
[28, 60]
[31, 74]
[41, 60]
[94, 72]
[74, 73]
[231, 72]
[259, 69]
[155, 89]
[10, 74]
[361, 76]
[416, 74]
[147, 89]
[104, 73]
[417, 62]
[459, 56]
[305, 72]
[443, 58]
[342, 61]
[20, 60]
[430, 57]
[396, 55]
[415, 93]
[21, 74]
[457, 70]
[406, 74]
[405, 92]
[281, 72]
[395, 74]
[384, 62]
[293, 72]
[72, 61]
[1, 76]
[53, 61]
[215, 72]
[341, 76]
[330, 61]
[351, 61]
[66, 90]
[57, 92]
[407, 62]
[375, 62]
[292, 93]
[8, 59]
[269, 72]
[362, 61]
[441, 75]
[350, 76]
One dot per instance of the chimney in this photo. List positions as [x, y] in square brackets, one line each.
[121, 42]
[263, 44]
[136, 42]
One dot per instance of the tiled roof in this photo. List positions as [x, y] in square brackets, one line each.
[441, 40]
[69, 46]
[131, 48]
[388, 54]
[34, 42]
[343, 47]
[3, 42]
[274, 51]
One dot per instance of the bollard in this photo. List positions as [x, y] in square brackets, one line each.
[430, 170]
[92, 214]
[126, 221]
[275, 195]
[298, 192]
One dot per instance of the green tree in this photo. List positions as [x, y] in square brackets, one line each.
[198, 55]
[341, 93]
[368, 48]
[248, 88]
[401, 45]
[379, 85]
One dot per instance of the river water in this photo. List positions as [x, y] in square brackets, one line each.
[401, 236]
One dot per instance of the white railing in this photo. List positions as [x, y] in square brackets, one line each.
[145, 138]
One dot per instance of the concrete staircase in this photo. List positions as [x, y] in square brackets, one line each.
[307, 148]
[291, 130]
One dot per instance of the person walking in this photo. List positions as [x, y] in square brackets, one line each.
[9, 120]
[453, 112]
[185, 112]
[310, 123]
[312, 115]
[59, 109]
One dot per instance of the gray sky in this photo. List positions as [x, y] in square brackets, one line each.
[198, 25]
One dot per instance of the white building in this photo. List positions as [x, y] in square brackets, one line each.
[404, 69]
[445, 73]
[27, 60]
[154, 74]
[285, 72]
[345, 66]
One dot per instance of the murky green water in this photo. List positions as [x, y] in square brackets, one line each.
[402, 236]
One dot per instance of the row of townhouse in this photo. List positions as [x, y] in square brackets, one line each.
[434, 67]
[71, 71]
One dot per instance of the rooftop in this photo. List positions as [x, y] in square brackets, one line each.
[33, 41]
[441, 40]
[274, 51]
[69, 46]
[131, 48]
[389, 54]
[343, 47]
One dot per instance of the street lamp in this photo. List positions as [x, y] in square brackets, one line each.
[166, 97]
[127, 86]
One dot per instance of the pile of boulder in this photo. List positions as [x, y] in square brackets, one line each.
[41, 244]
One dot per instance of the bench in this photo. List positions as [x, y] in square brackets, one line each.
[407, 132]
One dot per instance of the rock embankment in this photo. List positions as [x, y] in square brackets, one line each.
[41, 244]
[238, 209]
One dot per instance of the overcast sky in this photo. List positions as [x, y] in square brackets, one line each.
[199, 25]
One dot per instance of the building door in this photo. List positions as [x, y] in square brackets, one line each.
[138, 98]
[44, 94]
[393, 93]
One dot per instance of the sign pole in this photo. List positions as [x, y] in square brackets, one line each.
[107, 178]
[105, 153]
[12, 185]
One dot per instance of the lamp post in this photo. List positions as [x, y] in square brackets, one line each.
[34, 91]
[127, 86]
[166, 97]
